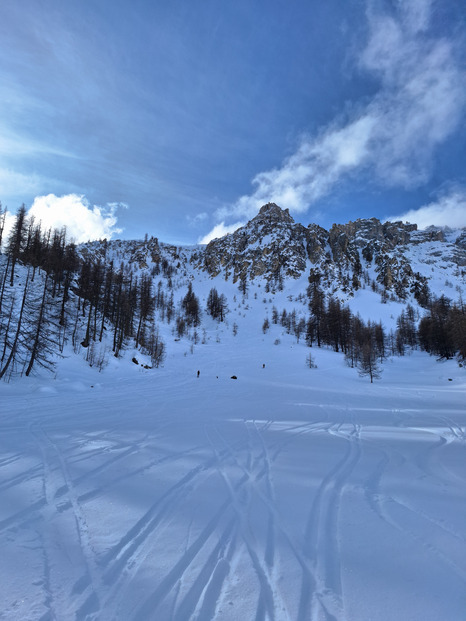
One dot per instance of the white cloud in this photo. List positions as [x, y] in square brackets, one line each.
[220, 230]
[420, 101]
[449, 210]
[83, 221]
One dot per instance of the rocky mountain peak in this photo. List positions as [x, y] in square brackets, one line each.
[270, 245]
[271, 211]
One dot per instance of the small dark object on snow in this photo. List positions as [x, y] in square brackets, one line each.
[135, 361]
[449, 379]
[263, 366]
[234, 377]
[198, 373]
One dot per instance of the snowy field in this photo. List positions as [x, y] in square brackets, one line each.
[287, 494]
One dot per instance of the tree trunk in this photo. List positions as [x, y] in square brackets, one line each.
[40, 319]
[18, 331]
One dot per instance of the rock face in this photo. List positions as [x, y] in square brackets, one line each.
[270, 245]
[358, 244]
[273, 246]
[141, 254]
[460, 250]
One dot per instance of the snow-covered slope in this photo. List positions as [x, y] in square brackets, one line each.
[289, 493]
[178, 493]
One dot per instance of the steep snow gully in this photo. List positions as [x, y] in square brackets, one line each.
[305, 496]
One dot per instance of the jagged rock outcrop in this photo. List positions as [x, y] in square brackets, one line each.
[432, 233]
[459, 253]
[370, 236]
[272, 245]
[317, 240]
[136, 254]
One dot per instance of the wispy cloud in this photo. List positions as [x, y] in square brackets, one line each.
[220, 230]
[14, 183]
[197, 219]
[83, 221]
[420, 101]
[13, 144]
[449, 210]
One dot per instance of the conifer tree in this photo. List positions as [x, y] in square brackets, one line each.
[190, 305]
[10, 360]
[3, 212]
[17, 240]
[216, 304]
[38, 338]
[368, 358]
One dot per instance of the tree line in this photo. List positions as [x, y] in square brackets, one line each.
[64, 296]
[32, 325]
[441, 331]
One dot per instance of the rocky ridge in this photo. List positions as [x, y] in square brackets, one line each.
[273, 247]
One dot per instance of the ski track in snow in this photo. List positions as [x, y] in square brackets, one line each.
[225, 517]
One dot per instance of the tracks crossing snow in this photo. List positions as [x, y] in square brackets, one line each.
[225, 518]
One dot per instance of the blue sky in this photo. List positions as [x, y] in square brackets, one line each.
[181, 118]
